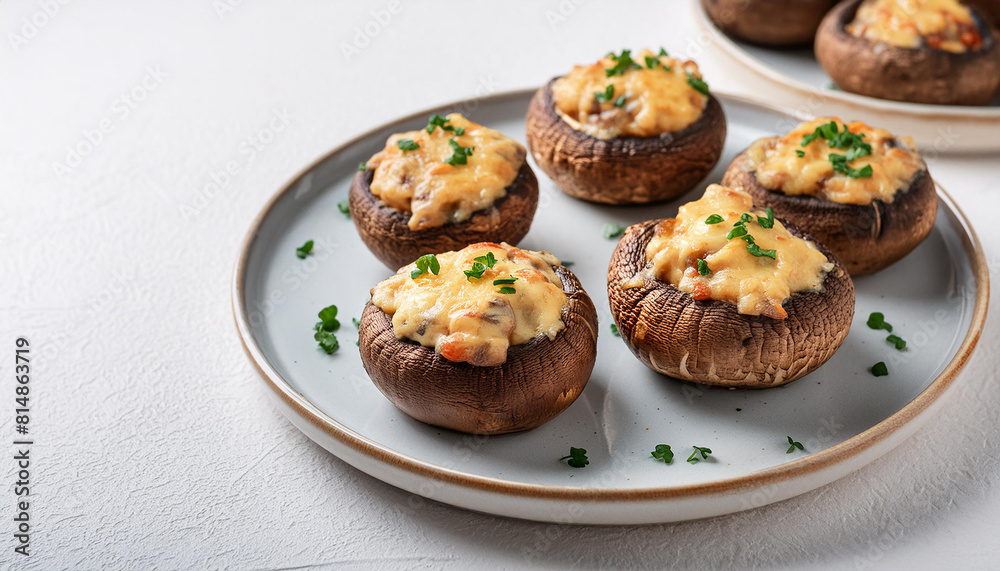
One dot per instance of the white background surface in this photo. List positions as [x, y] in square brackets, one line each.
[157, 445]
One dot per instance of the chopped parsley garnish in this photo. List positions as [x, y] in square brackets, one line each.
[792, 445]
[705, 452]
[877, 321]
[479, 266]
[663, 452]
[567, 263]
[613, 230]
[426, 263]
[439, 121]
[356, 322]
[325, 327]
[620, 101]
[897, 341]
[460, 155]
[714, 219]
[698, 84]
[614, 330]
[663, 52]
[362, 167]
[623, 63]
[652, 62]
[407, 145]
[800, 153]
[737, 232]
[577, 458]
[879, 369]
[606, 95]
[842, 139]
[507, 290]
[759, 252]
[703, 268]
[304, 250]
[344, 206]
[504, 281]
[769, 221]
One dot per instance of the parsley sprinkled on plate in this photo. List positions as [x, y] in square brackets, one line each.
[577, 458]
[304, 250]
[705, 453]
[663, 452]
[324, 329]
[613, 230]
[792, 445]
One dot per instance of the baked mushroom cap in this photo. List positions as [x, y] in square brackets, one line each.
[866, 238]
[539, 379]
[623, 170]
[710, 342]
[921, 75]
[776, 23]
[387, 234]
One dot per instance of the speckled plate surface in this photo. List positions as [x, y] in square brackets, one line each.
[936, 298]
[936, 128]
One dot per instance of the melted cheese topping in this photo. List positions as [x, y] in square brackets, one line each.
[757, 285]
[656, 101]
[468, 319]
[435, 192]
[940, 24]
[894, 161]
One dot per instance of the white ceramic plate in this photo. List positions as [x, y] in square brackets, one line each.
[936, 128]
[936, 298]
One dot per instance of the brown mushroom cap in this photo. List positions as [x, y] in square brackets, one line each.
[539, 379]
[921, 75]
[865, 238]
[386, 233]
[623, 170]
[710, 342]
[776, 23]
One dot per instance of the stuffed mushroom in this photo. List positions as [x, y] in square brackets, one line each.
[863, 192]
[440, 188]
[627, 129]
[487, 340]
[921, 51]
[773, 23]
[726, 294]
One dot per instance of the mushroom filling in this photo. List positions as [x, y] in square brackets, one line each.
[485, 298]
[447, 174]
[719, 247]
[938, 24]
[635, 96]
[846, 163]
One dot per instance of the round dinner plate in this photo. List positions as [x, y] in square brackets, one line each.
[935, 298]
[936, 128]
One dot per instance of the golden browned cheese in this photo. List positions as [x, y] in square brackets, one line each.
[656, 100]
[758, 285]
[941, 24]
[469, 319]
[894, 161]
[434, 192]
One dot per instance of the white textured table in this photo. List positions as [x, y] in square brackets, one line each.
[155, 443]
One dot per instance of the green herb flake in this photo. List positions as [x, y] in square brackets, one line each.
[879, 369]
[698, 84]
[344, 206]
[897, 342]
[407, 145]
[767, 222]
[663, 52]
[507, 290]
[479, 266]
[714, 219]
[703, 268]
[567, 263]
[356, 322]
[504, 281]
[460, 155]
[792, 445]
[620, 102]
[663, 452]
[623, 63]
[652, 62]
[877, 321]
[705, 452]
[615, 331]
[362, 167]
[613, 230]
[606, 95]
[426, 263]
[442, 122]
[736, 232]
[304, 250]
[759, 252]
[325, 327]
[577, 458]
[800, 153]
